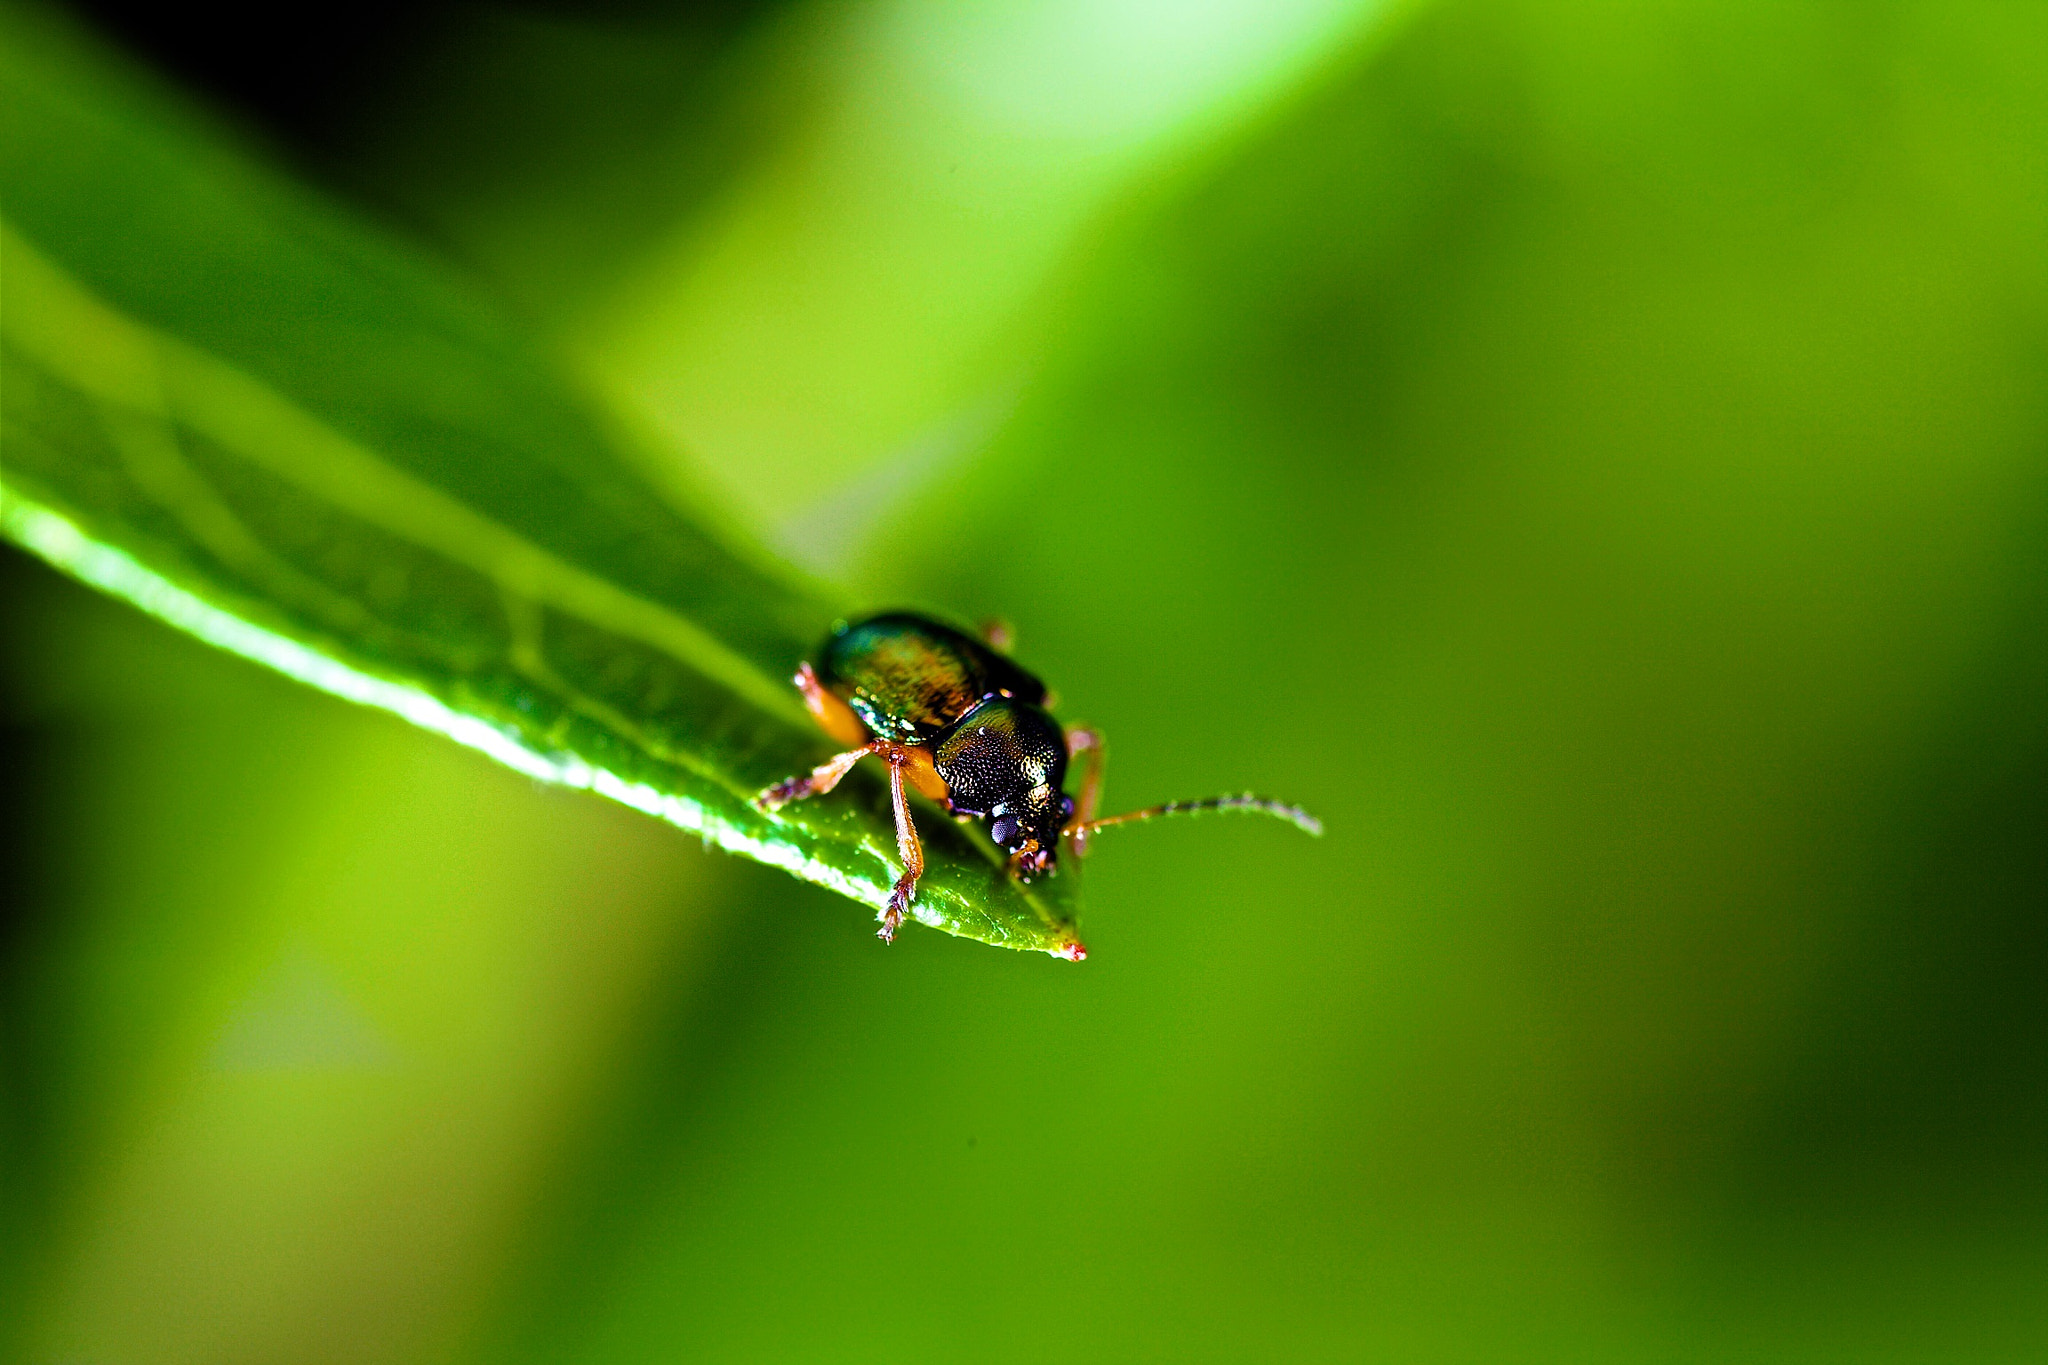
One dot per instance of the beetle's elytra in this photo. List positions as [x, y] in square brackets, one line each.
[954, 718]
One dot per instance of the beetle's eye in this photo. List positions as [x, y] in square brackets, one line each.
[1003, 830]
[1066, 808]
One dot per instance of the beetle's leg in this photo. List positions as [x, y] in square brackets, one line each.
[817, 781]
[907, 846]
[832, 713]
[1081, 740]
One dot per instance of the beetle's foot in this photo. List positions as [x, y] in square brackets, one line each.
[783, 792]
[898, 907]
[1030, 863]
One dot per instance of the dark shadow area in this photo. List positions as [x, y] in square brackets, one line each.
[25, 747]
[1920, 1085]
[539, 145]
[302, 71]
[290, 69]
[33, 750]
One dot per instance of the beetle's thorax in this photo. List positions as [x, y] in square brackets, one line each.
[1007, 760]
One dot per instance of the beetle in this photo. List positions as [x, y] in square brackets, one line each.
[956, 720]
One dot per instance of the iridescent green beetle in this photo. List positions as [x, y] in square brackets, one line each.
[954, 718]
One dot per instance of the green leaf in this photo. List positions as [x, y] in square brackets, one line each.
[227, 402]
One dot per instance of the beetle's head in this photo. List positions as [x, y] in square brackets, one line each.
[1007, 760]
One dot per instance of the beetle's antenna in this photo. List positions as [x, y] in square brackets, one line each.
[1293, 815]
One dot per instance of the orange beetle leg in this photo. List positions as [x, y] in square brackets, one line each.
[816, 782]
[907, 847]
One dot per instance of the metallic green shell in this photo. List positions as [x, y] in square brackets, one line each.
[908, 677]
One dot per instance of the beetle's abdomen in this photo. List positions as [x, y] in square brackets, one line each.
[909, 678]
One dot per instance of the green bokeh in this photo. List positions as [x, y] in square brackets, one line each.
[1595, 456]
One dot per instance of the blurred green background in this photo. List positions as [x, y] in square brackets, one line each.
[1595, 455]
